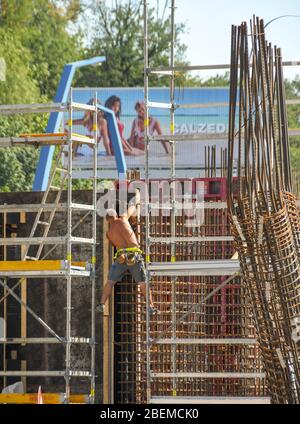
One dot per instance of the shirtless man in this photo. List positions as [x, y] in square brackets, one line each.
[128, 257]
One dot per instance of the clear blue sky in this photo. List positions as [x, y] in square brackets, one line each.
[209, 26]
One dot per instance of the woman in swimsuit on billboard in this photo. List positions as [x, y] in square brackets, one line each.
[88, 122]
[114, 103]
[137, 137]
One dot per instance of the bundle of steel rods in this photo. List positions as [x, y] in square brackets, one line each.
[263, 210]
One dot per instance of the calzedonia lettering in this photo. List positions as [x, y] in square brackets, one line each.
[204, 128]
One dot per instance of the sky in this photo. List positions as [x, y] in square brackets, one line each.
[209, 28]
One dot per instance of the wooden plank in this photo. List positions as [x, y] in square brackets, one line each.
[24, 368]
[106, 316]
[22, 217]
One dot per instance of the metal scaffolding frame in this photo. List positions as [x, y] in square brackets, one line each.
[172, 269]
[35, 243]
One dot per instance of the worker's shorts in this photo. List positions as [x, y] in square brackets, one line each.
[137, 270]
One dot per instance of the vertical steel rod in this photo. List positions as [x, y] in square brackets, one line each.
[147, 221]
[173, 190]
[69, 254]
[94, 246]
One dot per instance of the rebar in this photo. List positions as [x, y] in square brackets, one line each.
[224, 315]
[264, 216]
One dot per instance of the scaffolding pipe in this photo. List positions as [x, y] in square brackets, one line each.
[147, 211]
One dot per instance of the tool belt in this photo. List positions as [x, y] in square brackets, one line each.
[128, 255]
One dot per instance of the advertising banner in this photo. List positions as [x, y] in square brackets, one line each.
[207, 119]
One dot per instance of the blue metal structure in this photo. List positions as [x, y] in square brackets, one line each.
[116, 141]
[46, 154]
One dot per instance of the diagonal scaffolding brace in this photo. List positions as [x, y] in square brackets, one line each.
[39, 319]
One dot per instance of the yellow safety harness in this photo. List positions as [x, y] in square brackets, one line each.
[128, 255]
[127, 250]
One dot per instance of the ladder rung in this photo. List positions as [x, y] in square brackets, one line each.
[46, 224]
[62, 170]
[31, 258]
[54, 187]
[208, 375]
[210, 400]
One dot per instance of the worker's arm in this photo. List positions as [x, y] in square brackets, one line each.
[131, 211]
[107, 235]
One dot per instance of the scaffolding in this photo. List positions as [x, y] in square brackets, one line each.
[40, 244]
[188, 356]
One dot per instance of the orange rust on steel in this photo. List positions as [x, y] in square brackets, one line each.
[264, 216]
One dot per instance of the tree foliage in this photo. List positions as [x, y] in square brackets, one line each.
[35, 44]
[37, 37]
[117, 33]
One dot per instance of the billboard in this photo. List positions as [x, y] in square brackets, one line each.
[209, 119]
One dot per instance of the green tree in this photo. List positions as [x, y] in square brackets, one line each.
[117, 33]
[19, 86]
[50, 43]
[11, 173]
[43, 28]
[218, 80]
[35, 44]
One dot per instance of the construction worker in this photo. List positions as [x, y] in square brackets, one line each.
[129, 256]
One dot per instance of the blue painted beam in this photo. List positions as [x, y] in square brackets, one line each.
[115, 140]
[46, 154]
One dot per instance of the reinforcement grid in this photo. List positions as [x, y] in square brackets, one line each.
[225, 315]
[265, 220]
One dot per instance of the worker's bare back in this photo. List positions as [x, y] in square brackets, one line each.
[121, 234]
